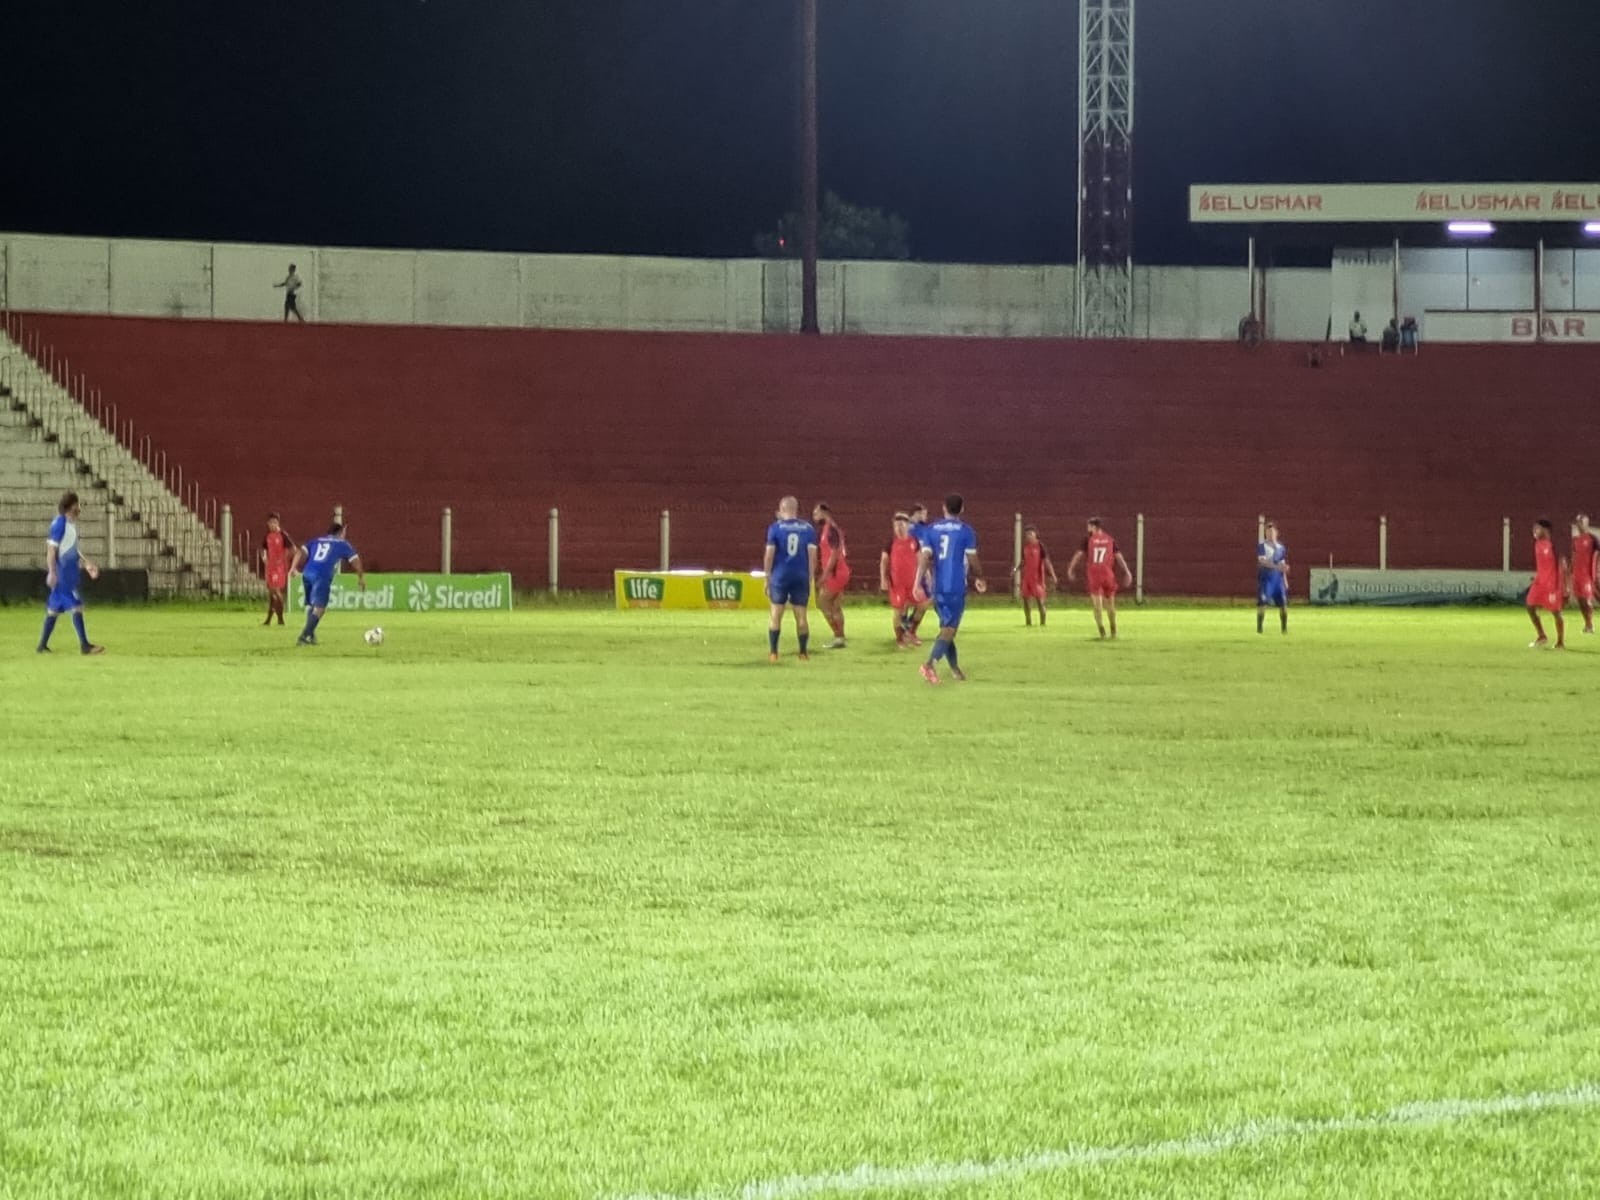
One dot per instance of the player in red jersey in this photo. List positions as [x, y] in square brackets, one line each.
[1100, 551]
[898, 566]
[1034, 568]
[277, 550]
[1549, 590]
[1585, 545]
[833, 572]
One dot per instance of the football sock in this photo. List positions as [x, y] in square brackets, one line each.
[940, 649]
[772, 640]
[49, 628]
[77, 623]
[950, 655]
[311, 625]
[805, 640]
[1283, 619]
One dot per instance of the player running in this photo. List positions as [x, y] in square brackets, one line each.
[789, 562]
[1033, 569]
[833, 572]
[898, 569]
[1272, 579]
[317, 561]
[1549, 587]
[1099, 549]
[1584, 547]
[277, 549]
[62, 561]
[948, 548]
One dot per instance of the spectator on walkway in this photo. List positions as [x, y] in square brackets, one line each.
[291, 289]
[1389, 343]
[1409, 333]
[1358, 330]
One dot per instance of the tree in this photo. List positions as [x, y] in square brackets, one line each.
[845, 230]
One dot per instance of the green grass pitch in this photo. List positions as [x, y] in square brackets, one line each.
[574, 903]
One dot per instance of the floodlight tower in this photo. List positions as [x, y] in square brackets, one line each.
[1105, 168]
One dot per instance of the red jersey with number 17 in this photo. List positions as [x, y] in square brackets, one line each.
[1100, 550]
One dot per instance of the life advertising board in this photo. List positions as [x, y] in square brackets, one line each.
[1367, 585]
[690, 589]
[1391, 203]
[390, 592]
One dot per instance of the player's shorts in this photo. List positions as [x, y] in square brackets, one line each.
[838, 581]
[950, 609]
[900, 598]
[1551, 600]
[318, 591]
[63, 598]
[1033, 589]
[277, 578]
[1274, 595]
[1102, 583]
[1582, 589]
[795, 590]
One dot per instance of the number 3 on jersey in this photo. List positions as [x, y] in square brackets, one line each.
[944, 546]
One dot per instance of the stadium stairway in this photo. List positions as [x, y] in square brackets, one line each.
[49, 444]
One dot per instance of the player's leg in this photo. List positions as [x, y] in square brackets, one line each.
[835, 613]
[84, 644]
[950, 655]
[51, 616]
[774, 630]
[1283, 614]
[802, 626]
[1586, 607]
[1097, 603]
[1538, 627]
[1261, 615]
[1043, 612]
[1561, 629]
[1111, 613]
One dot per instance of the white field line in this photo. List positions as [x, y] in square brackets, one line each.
[930, 1175]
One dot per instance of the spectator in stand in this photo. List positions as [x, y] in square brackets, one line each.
[1409, 333]
[1389, 343]
[1358, 329]
[291, 289]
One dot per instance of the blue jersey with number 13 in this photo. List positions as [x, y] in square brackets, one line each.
[324, 554]
[789, 540]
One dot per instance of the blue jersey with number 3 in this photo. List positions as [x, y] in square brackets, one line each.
[951, 540]
[789, 540]
[323, 555]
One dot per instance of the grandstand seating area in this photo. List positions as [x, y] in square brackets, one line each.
[396, 422]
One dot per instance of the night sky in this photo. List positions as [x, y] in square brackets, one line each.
[668, 126]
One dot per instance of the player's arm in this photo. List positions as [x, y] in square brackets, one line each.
[299, 559]
[1050, 570]
[974, 565]
[828, 557]
[767, 556]
[811, 561]
[1072, 567]
[52, 573]
[361, 572]
[883, 571]
[1127, 575]
[89, 565]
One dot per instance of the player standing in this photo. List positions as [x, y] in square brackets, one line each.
[833, 572]
[1033, 568]
[62, 561]
[1549, 586]
[1100, 551]
[1272, 578]
[317, 561]
[948, 547]
[277, 549]
[922, 590]
[789, 562]
[1584, 547]
[898, 568]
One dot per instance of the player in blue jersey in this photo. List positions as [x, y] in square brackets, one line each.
[949, 548]
[922, 591]
[63, 560]
[1272, 579]
[789, 563]
[318, 560]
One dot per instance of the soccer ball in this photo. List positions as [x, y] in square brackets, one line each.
[374, 637]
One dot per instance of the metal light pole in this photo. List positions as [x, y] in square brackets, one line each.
[808, 167]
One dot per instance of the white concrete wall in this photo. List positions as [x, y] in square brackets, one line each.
[242, 277]
[1299, 302]
[1190, 302]
[51, 274]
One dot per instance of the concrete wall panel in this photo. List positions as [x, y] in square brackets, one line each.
[367, 286]
[58, 274]
[467, 289]
[160, 279]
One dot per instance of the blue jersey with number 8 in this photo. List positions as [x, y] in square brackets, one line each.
[790, 540]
